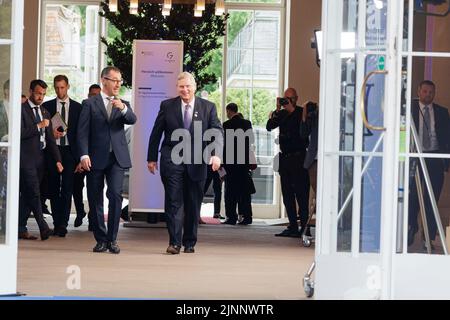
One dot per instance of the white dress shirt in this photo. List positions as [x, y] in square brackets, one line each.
[191, 109]
[434, 145]
[66, 116]
[42, 136]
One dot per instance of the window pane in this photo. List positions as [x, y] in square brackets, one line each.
[71, 46]
[253, 83]
[3, 185]
[5, 19]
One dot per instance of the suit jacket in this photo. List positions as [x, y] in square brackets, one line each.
[234, 124]
[441, 123]
[30, 138]
[170, 119]
[238, 179]
[96, 133]
[72, 124]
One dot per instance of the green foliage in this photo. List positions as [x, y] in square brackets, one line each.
[264, 101]
[200, 36]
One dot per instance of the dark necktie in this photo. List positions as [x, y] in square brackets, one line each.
[62, 140]
[187, 117]
[426, 131]
[41, 130]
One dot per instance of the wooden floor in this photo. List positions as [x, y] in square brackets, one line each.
[231, 262]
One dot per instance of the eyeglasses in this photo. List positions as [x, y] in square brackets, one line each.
[116, 81]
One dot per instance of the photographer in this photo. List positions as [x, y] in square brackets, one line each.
[294, 177]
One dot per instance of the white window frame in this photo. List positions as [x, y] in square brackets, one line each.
[262, 210]
[102, 28]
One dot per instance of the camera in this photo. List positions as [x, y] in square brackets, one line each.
[284, 101]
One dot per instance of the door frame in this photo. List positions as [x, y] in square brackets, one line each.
[371, 271]
[8, 251]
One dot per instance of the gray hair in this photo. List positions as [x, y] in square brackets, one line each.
[189, 76]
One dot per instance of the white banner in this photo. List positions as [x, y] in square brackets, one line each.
[156, 66]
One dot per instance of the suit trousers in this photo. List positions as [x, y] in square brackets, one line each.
[183, 200]
[294, 187]
[217, 187]
[436, 172]
[30, 194]
[61, 186]
[236, 195]
[78, 185]
[114, 175]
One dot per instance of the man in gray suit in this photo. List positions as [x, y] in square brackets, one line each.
[104, 154]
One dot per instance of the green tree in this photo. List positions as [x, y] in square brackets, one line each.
[200, 35]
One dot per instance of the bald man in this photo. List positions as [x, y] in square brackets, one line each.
[294, 177]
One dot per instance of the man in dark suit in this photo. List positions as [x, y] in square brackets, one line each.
[78, 183]
[61, 185]
[433, 128]
[184, 177]
[104, 154]
[36, 137]
[239, 185]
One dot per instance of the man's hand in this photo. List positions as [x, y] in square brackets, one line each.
[215, 162]
[44, 124]
[152, 166]
[86, 164]
[79, 168]
[278, 104]
[117, 103]
[59, 167]
[57, 134]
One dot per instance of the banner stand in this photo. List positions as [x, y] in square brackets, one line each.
[156, 66]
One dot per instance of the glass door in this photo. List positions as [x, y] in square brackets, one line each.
[11, 35]
[357, 158]
[422, 232]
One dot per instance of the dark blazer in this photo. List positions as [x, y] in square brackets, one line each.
[96, 132]
[442, 124]
[234, 124]
[170, 119]
[239, 180]
[74, 116]
[30, 138]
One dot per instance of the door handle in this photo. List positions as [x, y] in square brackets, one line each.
[363, 101]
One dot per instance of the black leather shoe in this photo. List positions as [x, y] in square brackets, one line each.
[113, 247]
[289, 233]
[46, 234]
[189, 250]
[100, 247]
[173, 249]
[218, 216]
[245, 222]
[79, 219]
[230, 222]
[124, 214]
[60, 232]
